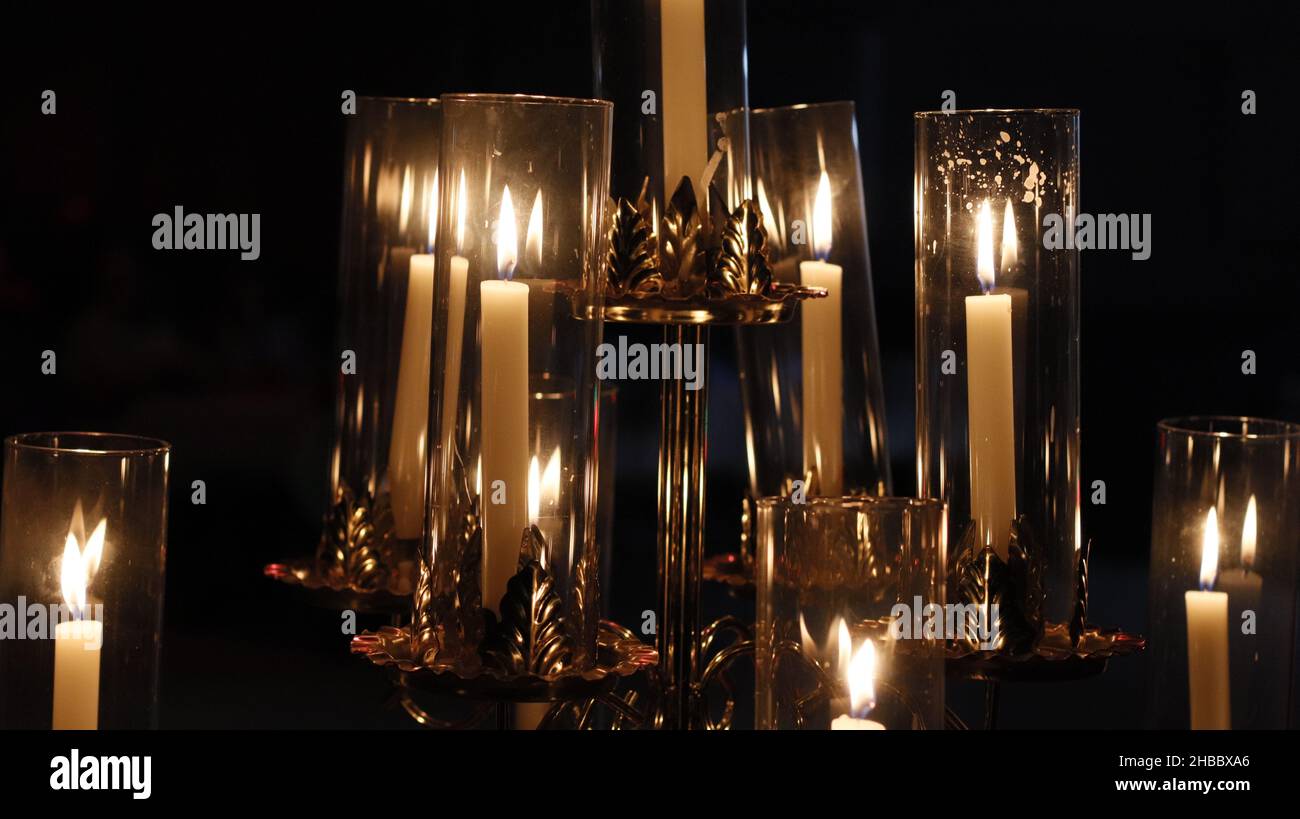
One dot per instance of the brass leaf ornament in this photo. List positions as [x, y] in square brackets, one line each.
[742, 258]
[530, 637]
[630, 264]
[682, 260]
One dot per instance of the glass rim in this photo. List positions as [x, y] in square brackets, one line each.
[132, 444]
[1074, 112]
[856, 502]
[430, 101]
[528, 99]
[1202, 426]
[804, 106]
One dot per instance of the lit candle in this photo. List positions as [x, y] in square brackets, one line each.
[862, 687]
[77, 643]
[504, 412]
[823, 363]
[990, 399]
[1207, 640]
[1007, 263]
[683, 101]
[411, 411]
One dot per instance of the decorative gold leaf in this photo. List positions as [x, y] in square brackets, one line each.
[530, 638]
[1013, 586]
[583, 617]
[742, 257]
[630, 263]
[1079, 619]
[682, 262]
[448, 619]
[356, 545]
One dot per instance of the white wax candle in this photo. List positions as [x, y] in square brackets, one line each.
[76, 675]
[844, 722]
[823, 378]
[1207, 659]
[1207, 640]
[504, 431]
[990, 391]
[683, 101]
[406, 456]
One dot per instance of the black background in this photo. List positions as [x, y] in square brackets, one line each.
[233, 362]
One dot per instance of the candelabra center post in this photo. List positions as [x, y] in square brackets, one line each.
[682, 455]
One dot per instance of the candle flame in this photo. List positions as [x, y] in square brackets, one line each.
[843, 648]
[822, 219]
[1010, 250]
[80, 564]
[533, 242]
[551, 478]
[765, 210]
[408, 193]
[806, 643]
[507, 238]
[461, 205]
[984, 247]
[862, 680]
[1248, 531]
[543, 484]
[1210, 550]
[534, 491]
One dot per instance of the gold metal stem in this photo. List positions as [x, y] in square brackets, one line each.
[682, 447]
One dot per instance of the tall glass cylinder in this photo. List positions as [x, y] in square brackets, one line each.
[1225, 541]
[675, 71]
[850, 613]
[83, 547]
[997, 352]
[377, 466]
[814, 405]
[511, 558]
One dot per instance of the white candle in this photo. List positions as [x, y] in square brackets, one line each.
[76, 675]
[823, 362]
[990, 400]
[406, 456]
[683, 101]
[846, 723]
[77, 643]
[1207, 641]
[505, 413]
[862, 688]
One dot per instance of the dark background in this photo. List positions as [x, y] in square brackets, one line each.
[233, 362]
